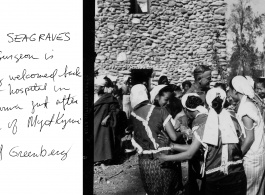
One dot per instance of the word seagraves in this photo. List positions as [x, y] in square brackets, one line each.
[65, 36]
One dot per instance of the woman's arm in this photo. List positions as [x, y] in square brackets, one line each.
[247, 143]
[176, 147]
[170, 131]
[187, 155]
[180, 147]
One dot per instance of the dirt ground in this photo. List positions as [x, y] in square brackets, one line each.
[119, 179]
[123, 179]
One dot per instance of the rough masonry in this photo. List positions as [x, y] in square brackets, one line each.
[172, 39]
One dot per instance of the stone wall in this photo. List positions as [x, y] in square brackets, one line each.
[176, 36]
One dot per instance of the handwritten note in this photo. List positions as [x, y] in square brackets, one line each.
[41, 97]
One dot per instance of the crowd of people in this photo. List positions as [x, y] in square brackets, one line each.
[219, 130]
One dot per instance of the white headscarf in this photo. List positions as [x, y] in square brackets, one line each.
[243, 86]
[155, 91]
[99, 80]
[138, 95]
[222, 121]
[184, 98]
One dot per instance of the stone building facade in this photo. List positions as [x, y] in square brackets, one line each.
[174, 37]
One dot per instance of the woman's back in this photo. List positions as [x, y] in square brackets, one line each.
[148, 122]
[215, 154]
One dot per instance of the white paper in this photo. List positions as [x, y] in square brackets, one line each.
[25, 29]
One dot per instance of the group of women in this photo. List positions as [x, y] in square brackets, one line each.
[227, 151]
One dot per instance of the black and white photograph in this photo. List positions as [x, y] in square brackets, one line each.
[179, 98]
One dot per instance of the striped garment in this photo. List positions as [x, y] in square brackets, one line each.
[255, 172]
[254, 160]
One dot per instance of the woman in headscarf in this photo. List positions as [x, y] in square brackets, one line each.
[252, 125]
[215, 137]
[104, 123]
[149, 121]
[162, 96]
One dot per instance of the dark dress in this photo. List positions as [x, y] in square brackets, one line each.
[157, 180]
[104, 136]
[221, 177]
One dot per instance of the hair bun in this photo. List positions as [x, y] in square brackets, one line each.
[217, 104]
[193, 101]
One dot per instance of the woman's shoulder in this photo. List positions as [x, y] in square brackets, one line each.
[249, 103]
[201, 119]
[249, 107]
[251, 110]
[161, 112]
[159, 109]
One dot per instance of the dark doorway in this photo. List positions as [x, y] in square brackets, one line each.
[141, 76]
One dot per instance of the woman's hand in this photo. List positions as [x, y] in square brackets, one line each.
[177, 124]
[164, 138]
[105, 120]
[162, 158]
[187, 133]
[129, 129]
